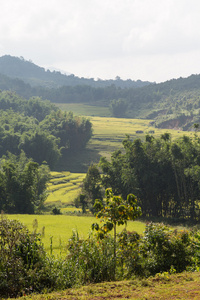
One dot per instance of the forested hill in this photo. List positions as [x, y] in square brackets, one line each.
[18, 67]
[171, 104]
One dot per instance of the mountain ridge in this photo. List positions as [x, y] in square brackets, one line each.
[18, 67]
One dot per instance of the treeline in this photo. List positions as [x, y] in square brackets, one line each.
[176, 99]
[172, 104]
[163, 173]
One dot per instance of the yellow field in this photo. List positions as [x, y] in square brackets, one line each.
[59, 228]
[64, 187]
[109, 133]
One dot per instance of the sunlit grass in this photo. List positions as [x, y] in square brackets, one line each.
[108, 133]
[64, 187]
[59, 228]
[177, 286]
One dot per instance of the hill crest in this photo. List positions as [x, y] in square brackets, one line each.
[18, 67]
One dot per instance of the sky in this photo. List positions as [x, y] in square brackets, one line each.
[155, 40]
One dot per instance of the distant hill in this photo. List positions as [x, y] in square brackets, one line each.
[18, 67]
[171, 104]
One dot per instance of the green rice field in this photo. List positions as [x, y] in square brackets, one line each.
[63, 188]
[59, 228]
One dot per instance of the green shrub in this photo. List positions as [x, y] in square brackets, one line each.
[92, 260]
[21, 254]
[163, 248]
[25, 267]
[129, 260]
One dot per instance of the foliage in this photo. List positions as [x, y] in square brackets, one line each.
[118, 108]
[91, 189]
[163, 248]
[21, 258]
[25, 268]
[164, 174]
[41, 146]
[92, 261]
[115, 212]
[56, 211]
[23, 184]
[72, 132]
[39, 129]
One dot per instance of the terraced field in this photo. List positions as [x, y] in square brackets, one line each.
[63, 188]
[110, 132]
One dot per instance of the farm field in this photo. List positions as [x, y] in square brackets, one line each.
[59, 228]
[63, 188]
[108, 134]
[162, 286]
[85, 109]
[107, 137]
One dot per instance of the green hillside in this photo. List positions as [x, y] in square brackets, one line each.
[171, 104]
[26, 70]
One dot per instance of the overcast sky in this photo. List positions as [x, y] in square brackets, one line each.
[153, 40]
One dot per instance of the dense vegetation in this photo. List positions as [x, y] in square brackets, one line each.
[32, 133]
[38, 128]
[26, 268]
[163, 173]
[23, 184]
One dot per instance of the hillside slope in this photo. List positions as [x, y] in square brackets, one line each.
[18, 67]
[173, 104]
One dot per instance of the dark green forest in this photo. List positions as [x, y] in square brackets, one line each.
[163, 173]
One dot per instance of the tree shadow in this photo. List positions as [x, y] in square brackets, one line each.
[77, 161]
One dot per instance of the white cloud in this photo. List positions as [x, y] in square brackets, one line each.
[103, 38]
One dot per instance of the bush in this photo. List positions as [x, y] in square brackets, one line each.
[92, 260]
[163, 248]
[25, 267]
[21, 254]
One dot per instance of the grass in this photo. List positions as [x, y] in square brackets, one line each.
[109, 132]
[162, 287]
[85, 109]
[59, 228]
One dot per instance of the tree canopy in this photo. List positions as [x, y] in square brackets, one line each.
[163, 173]
[22, 184]
[39, 129]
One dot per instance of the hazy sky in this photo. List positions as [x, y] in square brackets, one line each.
[153, 40]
